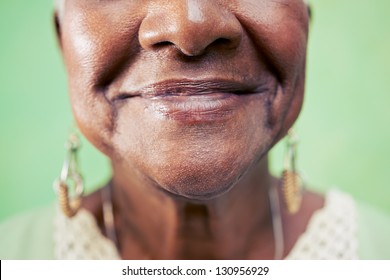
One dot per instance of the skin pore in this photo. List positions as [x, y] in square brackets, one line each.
[186, 98]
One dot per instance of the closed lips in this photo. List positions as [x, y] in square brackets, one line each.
[188, 88]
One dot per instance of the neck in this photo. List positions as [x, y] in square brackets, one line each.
[154, 224]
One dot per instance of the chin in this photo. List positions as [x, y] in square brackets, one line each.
[200, 183]
[198, 192]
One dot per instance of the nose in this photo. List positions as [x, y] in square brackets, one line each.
[192, 26]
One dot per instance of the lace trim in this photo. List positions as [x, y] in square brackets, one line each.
[331, 234]
[79, 238]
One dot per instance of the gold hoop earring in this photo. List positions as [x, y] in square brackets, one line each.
[70, 185]
[292, 187]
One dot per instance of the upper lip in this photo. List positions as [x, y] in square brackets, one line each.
[186, 87]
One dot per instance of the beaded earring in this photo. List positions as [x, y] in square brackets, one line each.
[292, 187]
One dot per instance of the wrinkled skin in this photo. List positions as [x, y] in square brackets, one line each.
[186, 98]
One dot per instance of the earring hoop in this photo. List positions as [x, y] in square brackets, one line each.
[70, 185]
[292, 187]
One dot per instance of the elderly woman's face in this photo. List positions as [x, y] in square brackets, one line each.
[188, 94]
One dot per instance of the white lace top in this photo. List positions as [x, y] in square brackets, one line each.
[330, 234]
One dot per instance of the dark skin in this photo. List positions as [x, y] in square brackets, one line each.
[186, 98]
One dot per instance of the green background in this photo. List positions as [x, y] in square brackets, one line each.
[344, 128]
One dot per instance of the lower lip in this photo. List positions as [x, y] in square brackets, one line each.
[196, 108]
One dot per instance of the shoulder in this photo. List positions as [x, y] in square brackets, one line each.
[330, 233]
[344, 228]
[29, 235]
[370, 226]
[373, 232]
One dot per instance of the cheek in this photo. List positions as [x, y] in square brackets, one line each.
[99, 43]
[95, 119]
[92, 111]
[91, 60]
[279, 32]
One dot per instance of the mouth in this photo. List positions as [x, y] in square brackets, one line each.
[194, 101]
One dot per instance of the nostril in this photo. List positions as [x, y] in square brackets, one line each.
[163, 44]
[223, 43]
[186, 50]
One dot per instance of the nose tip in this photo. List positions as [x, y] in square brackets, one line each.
[191, 26]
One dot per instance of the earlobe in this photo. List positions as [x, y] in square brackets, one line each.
[57, 26]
